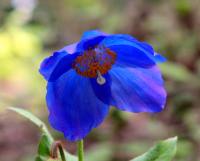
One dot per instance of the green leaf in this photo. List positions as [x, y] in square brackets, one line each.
[46, 139]
[43, 148]
[163, 151]
[33, 119]
[39, 158]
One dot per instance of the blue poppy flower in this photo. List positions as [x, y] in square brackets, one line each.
[101, 70]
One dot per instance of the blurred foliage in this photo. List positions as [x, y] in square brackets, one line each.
[31, 29]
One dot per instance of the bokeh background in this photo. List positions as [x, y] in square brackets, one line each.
[32, 29]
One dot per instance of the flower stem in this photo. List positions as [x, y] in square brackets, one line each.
[80, 150]
[54, 148]
[62, 154]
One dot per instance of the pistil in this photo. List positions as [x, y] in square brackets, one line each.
[100, 79]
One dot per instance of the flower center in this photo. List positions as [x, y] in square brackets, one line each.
[94, 62]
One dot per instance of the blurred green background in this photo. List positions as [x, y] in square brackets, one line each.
[32, 29]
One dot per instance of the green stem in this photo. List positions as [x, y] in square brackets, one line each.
[80, 150]
[62, 154]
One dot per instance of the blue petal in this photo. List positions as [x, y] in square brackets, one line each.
[92, 33]
[69, 48]
[74, 108]
[131, 52]
[159, 58]
[90, 39]
[87, 44]
[124, 36]
[147, 47]
[128, 53]
[137, 89]
[57, 64]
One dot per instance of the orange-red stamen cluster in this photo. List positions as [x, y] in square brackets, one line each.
[94, 60]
